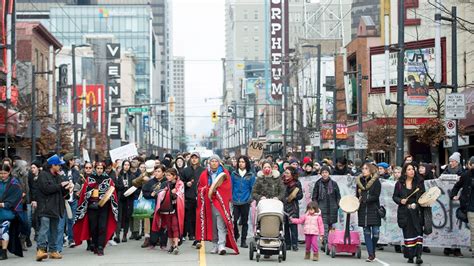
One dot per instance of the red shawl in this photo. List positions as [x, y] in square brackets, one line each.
[157, 225]
[220, 200]
[81, 227]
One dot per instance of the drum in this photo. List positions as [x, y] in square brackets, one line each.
[429, 197]
[349, 204]
[217, 183]
[130, 191]
[107, 196]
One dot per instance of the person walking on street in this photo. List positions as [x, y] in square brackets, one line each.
[368, 191]
[243, 180]
[51, 207]
[313, 229]
[190, 178]
[466, 198]
[293, 193]
[454, 168]
[125, 204]
[408, 190]
[10, 197]
[268, 184]
[327, 194]
[72, 175]
[213, 208]
[33, 185]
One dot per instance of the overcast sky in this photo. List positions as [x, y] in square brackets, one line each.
[199, 36]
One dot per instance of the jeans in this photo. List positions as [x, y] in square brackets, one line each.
[242, 212]
[61, 226]
[48, 234]
[291, 233]
[219, 230]
[70, 222]
[371, 236]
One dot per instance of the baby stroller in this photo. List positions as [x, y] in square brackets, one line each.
[268, 238]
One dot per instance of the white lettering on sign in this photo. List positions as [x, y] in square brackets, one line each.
[114, 90]
[113, 70]
[276, 32]
[113, 50]
[455, 106]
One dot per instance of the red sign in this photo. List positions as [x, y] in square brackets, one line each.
[91, 97]
[327, 131]
[14, 95]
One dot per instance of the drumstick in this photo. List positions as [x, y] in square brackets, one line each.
[413, 193]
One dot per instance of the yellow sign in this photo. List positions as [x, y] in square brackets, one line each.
[90, 95]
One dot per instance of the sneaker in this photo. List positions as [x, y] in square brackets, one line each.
[176, 251]
[171, 249]
[410, 261]
[72, 244]
[195, 242]
[112, 243]
[214, 250]
[370, 258]
[419, 261]
[198, 245]
[295, 248]
[100, 251]
[222, 251]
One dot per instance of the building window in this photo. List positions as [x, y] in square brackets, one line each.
[246, 14]
[256, 14]
[255, 28]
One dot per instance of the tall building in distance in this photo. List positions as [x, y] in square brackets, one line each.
[179, 110]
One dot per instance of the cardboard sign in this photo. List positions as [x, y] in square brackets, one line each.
[124, 152]
[255, 149]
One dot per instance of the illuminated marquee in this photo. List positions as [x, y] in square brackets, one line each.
[276, 33]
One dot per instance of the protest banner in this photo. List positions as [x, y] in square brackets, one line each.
[447, 230]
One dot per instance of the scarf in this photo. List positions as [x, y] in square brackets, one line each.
[212, 174]
[289, 182]
[369, 182]
[242, 172]
[326, 188]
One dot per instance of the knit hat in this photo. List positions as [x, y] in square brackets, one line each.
[306, 160]
[214, 157]
[325, 168]
[293, 161]
[455, 157]
[357, 162]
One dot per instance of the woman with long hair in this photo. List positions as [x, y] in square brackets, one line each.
[293, 193]
[125, 204]
[408, 190]
[368, 191]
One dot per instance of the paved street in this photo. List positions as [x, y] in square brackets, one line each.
[131, 254]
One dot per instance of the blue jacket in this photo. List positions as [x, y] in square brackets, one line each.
[242, 187]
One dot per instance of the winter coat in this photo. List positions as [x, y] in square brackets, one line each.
[191, 174]
[456, 171]
[292, 206]
[51, 195]
[10, 196]
[343, 171]
[242, 187]
[151, 185]
[34, 186]
[313, 224]
[328, 204]
[269, 186]
[368, 191]
[124, 182]
[466, 183]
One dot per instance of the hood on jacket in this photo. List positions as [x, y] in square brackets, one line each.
[275, 173]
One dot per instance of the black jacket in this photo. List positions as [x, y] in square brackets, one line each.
[369, 193]
[124, 182]
[33, 184]
[51, 195]
[466, 183]
[191, 175]
[293, 208]
[151, 185]
[328, 203]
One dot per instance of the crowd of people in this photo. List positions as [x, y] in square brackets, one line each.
[62, 203]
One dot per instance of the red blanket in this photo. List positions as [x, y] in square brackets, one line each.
[220, 200]
[157, 225]
[81, 227]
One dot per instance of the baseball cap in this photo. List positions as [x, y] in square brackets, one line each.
[68, 156]
[150, 166]
[196, 154]
[55, 160]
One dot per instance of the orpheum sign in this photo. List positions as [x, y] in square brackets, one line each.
[276, 35]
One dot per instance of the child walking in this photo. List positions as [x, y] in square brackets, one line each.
[313, 229]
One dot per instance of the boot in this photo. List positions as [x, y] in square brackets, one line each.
[28, 242]
[3, 254]
[243, 244]
[307, 255]
[117, 239]
[55, 255]
[134, 235]
[41, 254]
[23, 243]
[124, 237]
[146, 243]
[315, 256]
[100, 251]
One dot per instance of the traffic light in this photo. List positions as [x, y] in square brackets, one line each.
[214, 116]
[171, 101]
[63, 76]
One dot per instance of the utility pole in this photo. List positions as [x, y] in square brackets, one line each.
[74, 102]
[400, 82]
[33, 114]
[318, 103]
[454, 68]
[9, 59]
[359, 104]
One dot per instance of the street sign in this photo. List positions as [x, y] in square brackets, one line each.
[137, 110]
[455, 106]
[360, 141]
[450, 128]
[462, 141]
[315, 138]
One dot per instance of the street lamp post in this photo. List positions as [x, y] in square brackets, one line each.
[74, 97]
